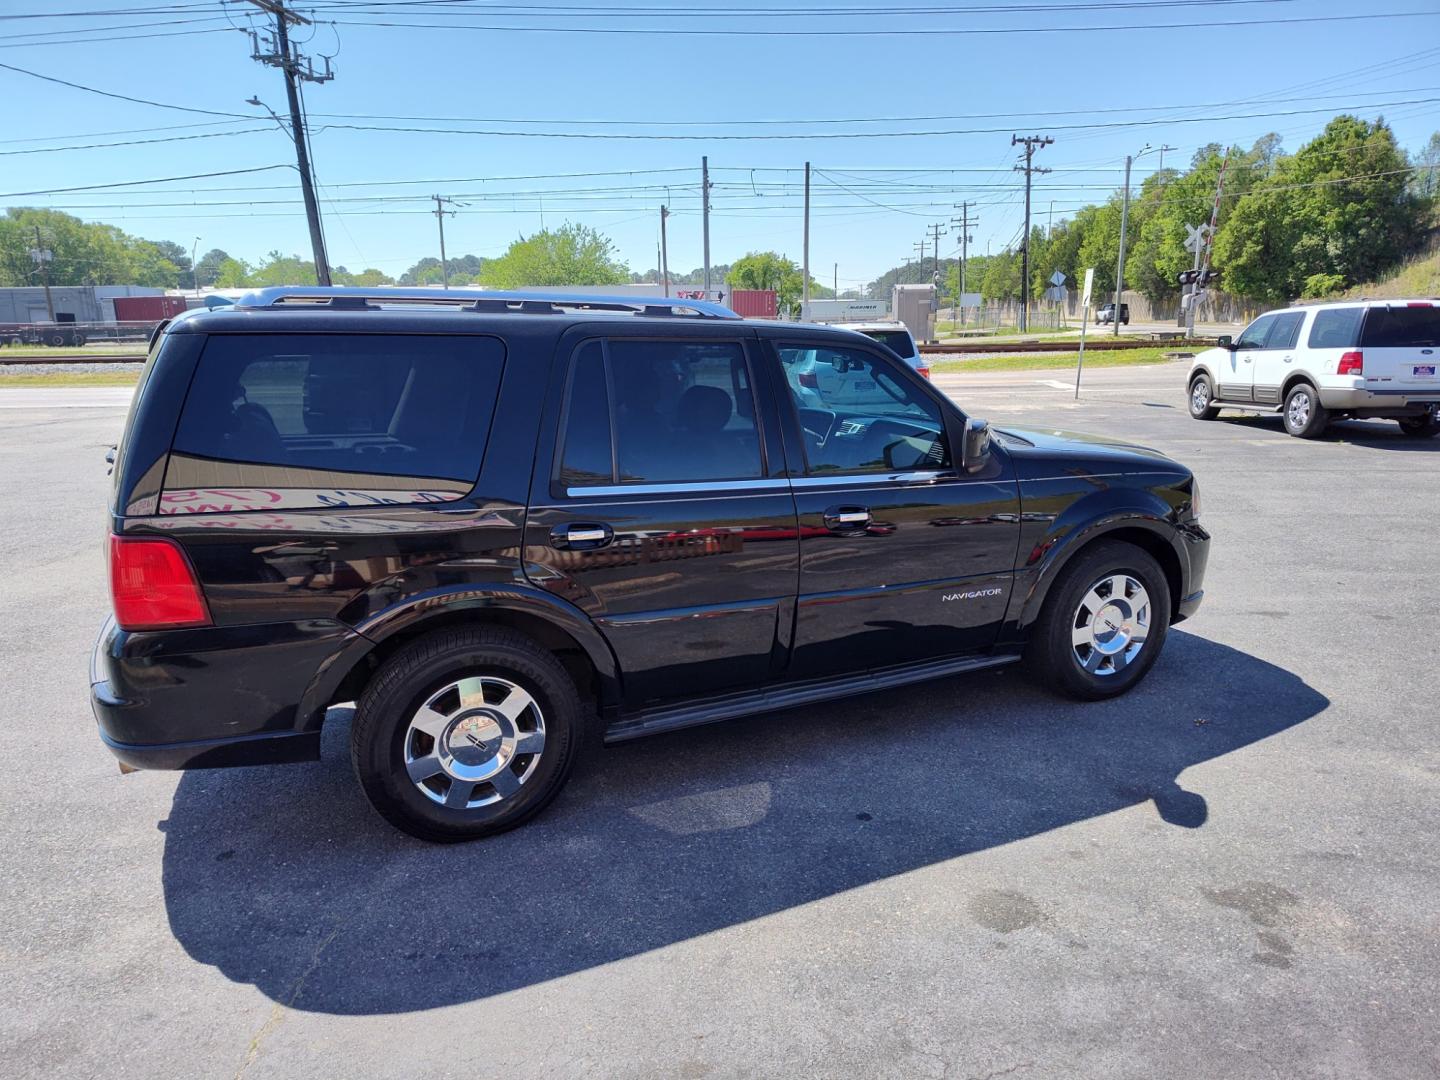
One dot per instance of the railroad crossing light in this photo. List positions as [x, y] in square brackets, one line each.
[1209, 277]
[1187, 277]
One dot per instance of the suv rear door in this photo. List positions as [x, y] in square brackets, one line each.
[659, 506]
[902, 557]
[1401, 346]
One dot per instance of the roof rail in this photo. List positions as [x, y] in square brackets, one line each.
[481, 300]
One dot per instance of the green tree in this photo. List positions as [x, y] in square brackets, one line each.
[1341, 207]
[207, 267]
[768, 270]
[570, 255]
[340, 276]
[1001, 280]
[1426, 183]
[231, 274]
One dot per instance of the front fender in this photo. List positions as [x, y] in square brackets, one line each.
[439, 605]
[1083, 521]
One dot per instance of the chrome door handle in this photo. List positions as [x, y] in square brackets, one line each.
[846, 518]
[1289, 359]
[581, 536]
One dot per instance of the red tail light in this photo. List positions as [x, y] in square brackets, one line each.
[1351, 363]
[809, 379]
[925, 371]
[152, 586]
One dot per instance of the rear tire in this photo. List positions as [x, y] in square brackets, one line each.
[1305, 417]
[1201, 395]
[1084, 645]
[466, 733]
[1420, 427]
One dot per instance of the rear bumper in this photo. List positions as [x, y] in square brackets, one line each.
[1378, 400]
[210, 697]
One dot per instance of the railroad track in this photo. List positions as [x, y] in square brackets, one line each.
[75, 358]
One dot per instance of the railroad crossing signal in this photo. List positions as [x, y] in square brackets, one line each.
[1195, 236]
[1197, 277]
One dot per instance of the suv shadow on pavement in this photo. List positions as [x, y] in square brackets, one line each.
[282, 878]
[1373, 434]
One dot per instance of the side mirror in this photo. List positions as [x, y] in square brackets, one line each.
[1225, 341]
[977, 444]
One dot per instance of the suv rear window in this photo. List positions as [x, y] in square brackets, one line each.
[898, 340]
[334, 419]
[1402, 328]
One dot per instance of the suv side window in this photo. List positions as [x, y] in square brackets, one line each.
[1285, 331]
[659, 412]
[297, 420]
[858, 414]
[1336, 328]
[1255, 334]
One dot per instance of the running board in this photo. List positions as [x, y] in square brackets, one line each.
[1248, 406]
[791, 695]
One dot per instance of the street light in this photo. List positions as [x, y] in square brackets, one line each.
[1124, 221]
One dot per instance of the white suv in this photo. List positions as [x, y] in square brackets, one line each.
[1322, 362]
[894, 335]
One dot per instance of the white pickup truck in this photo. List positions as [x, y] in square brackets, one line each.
[1321, 362]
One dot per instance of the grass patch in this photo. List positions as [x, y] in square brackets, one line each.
[119, 348]
[69, 378]
[1026, 362]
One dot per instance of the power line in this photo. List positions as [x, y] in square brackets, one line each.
[121, 97]
[136, 183]
[132, 142]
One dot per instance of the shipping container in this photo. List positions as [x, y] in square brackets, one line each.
[754, 303]
[147, 308]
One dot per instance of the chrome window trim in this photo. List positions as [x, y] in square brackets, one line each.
[854, 479]
[704, 487]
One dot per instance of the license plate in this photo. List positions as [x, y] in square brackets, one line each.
[1425, 371]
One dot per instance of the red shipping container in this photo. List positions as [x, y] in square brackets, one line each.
[753, 303]
[148, 308]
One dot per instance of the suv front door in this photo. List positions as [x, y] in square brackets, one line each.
[1236, 381]
[664, 511]
[902, 557]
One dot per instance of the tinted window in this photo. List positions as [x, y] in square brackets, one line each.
[683, 412]
[1285, 330]
[1336, 328]
[377, 406]
[1254, 335]
[586, 458]
[858, 414]
[899, 340]
[1402, 327]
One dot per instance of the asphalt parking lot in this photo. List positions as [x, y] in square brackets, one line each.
[1232, 872]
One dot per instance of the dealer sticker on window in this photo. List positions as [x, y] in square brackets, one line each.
[1425, 371]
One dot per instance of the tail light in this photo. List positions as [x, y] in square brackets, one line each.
[810, 380]
[152, 586]
[924, 371]
[1351, 363]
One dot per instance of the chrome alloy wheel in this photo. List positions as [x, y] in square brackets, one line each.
[474, 742]
[1298, 411]
[1111, 624]
[1200, 397]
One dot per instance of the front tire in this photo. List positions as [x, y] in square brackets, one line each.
[1201, 395]
[466, 733]
[1420, 427]
[1305, 417]
[1103, 624]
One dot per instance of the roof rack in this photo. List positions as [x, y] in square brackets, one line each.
[489, 301]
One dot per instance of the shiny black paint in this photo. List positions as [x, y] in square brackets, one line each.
[703, 605]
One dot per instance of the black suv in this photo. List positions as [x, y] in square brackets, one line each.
[494, 520]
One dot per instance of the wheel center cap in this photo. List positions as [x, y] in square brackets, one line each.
[1111, 627]
[474, 739]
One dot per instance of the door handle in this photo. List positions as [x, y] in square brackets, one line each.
[1289, 359]
[581, 537]
[847, 518]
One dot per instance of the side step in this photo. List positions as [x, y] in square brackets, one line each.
[792, 695]
[1248, 406]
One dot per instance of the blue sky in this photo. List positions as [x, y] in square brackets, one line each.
[874, 197]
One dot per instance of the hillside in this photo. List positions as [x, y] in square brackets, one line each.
[1418, 276]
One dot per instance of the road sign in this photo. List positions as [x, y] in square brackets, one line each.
[1089, 283]
[1056, 294]
[1057, 279]
[1195, 236]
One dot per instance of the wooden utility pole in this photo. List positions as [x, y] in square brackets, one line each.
[963, 222]
[664, 251]
[440, 212]
[805, 254]
[279, 54]
[42, 256]
[705, 215]
[1031, 143]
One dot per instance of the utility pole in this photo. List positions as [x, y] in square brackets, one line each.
[289, 61]
[835, 279]
[920, 262]
[705, 214]
[1031, 143]
[440, 212]
[938, 232]
[42, 256]
[963, 222]
[1120, 266]
[664, 251]
[805, 255]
